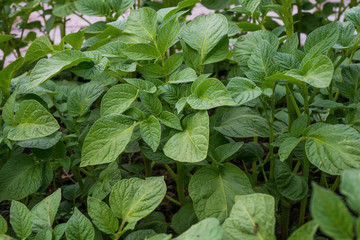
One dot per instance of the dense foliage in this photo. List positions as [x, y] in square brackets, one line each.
[240, 124]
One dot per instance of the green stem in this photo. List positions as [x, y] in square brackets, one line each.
[285, 218]
[173, 200]
[271, 140]
[323, 179]
[180, 182]
[336, 184]
[172, 173]
[148, 167]
[254, 165]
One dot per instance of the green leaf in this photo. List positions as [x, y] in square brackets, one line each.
[287, 146]
[142, 51]
[186, 212]
[19, 177]
[306, 231]
[44, 234]
[102, 216]
[299, 125]
[289, 185]
[210, 93]
[260, 59]
[173, 62]
[205, 32]
[226, 151]
[118, 99]
[217, 197]
[133, 199]
[332, 148]
[216, 4]
[79, 227]
[47, 68]
[75, 39]
[96, 8]
[247, 44]
[350, 85]
[9, 109]
[5, 37]
[252, 217]
[251, 5]
[32, 121]
[170, 120]
[3, 225]
[45, 211]
[145, 86]
[150, 130]
[106, 140]
[331, 214]
[353, 15]
[192, 144]
[183, 76]
[209, 228]
[41, 143]
[63, 10]
[82, 97]
[113, 49]
[142, 22]
[168, 34]
[59, 231]
[120, 6]
[346, 35]
[141, 234]
[326, 36]
[151, 102]
[243, 90]
[20, 219]
[8, 73]
[242, 122]
[39, 48]
[350, 187]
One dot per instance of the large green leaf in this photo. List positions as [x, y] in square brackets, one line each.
[204, 32]
[8, 73]
[5, 37]
[79, 227]
[217, 197]
[168, 34]
[20, 219]
[260, 59]
[252, 217]
[45, 211]
[82, 97]
[20, 177]
[210, 93]
[32, 121]
[332, 148]
[151, 102]
[102, 216]
[142, 22]
[63, 10]
[251, 5]
[142, 51]
[326, 36]
[133, 199]
[106, 140]
[353, 15]
[350, 187]
[170, 120]
[205, 230]
[331, 214]
[120, 6]
[96, 8]
[38, 49]
[150, 131]
[190, 145]
[47, 68]
[118, 99]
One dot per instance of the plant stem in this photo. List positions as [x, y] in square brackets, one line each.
[285, 218]
[336, 184]
[254, 165]
[173, 200]
[172, 173]
[180, 182]
[148, 167]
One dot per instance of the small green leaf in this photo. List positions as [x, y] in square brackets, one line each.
[151, 102]
[183, 76]
[226, 151]
[299, 125]
[217, 197]
[142, 51]
[326, 36]
[63, 10]
[102, 216]
[59, 231]
[75, 39]
[3, 225]
[133, 199]
[79, 227]
[192, 144]
[150, 131]
[168, 34]
[120, 6]
[251, 5]
[252, 217]
[287, 146]
[210, 93]
[142, 22]
[45, 211]
[260, 59]
[350, 187]
[243, 90]
[306, 231]
[173, 63]
[20, 219]
[353, 15]
[82, 97]
[96, 8]
[331, 214]
[38, 49]
[186, 212]
[9, 109]
[170, 120]
[32, 121]
[118, 99]
[106, 140]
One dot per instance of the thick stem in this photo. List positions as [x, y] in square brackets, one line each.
[180, 182]
[148, 167]
[254, 165]
[285, 218]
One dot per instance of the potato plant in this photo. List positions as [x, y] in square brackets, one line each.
[229, 126]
